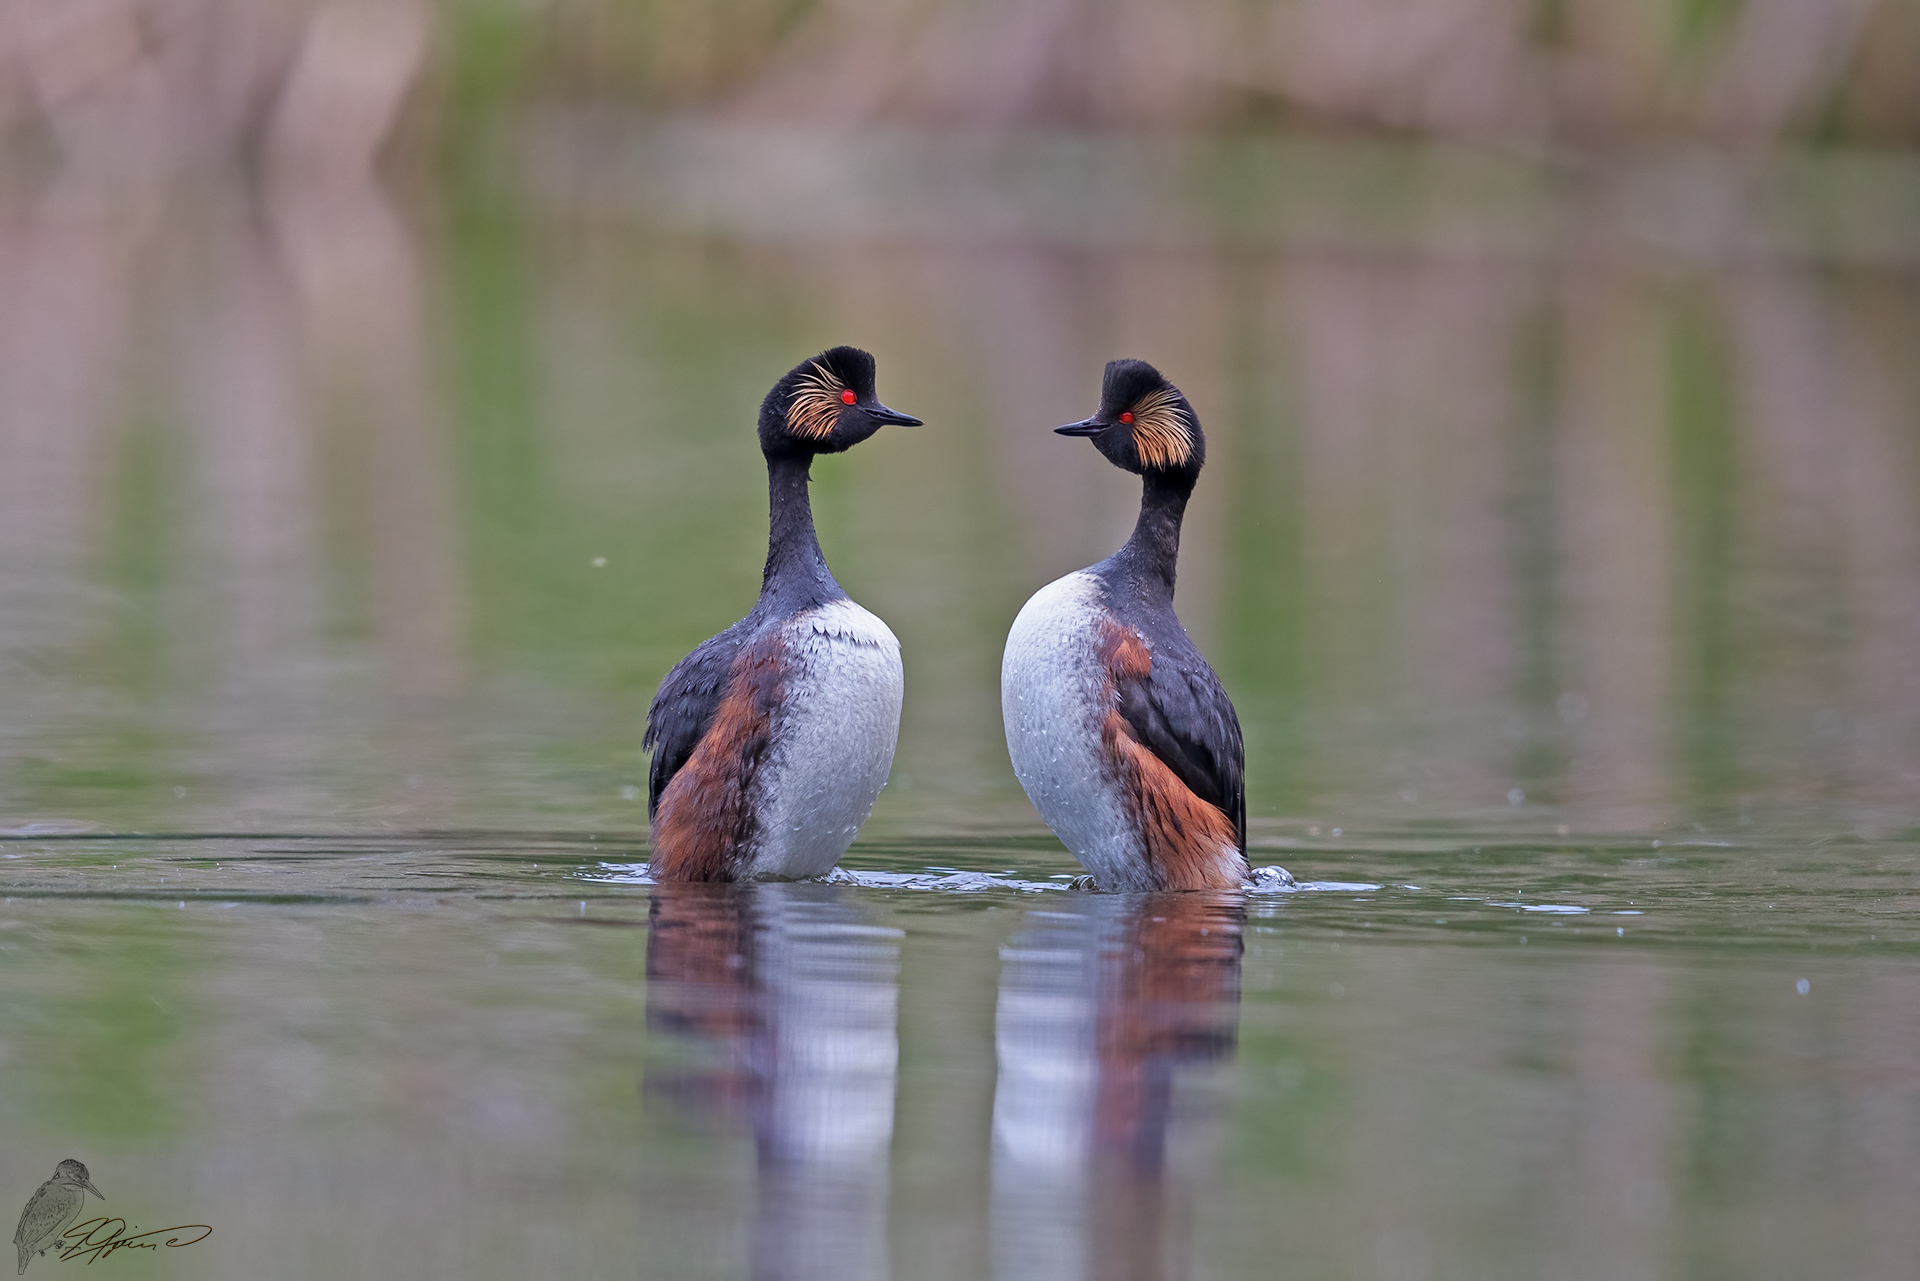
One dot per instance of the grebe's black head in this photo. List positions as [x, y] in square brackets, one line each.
[1144, 424]
[824, 405]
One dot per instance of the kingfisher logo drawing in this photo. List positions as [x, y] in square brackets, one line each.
[47, 1224]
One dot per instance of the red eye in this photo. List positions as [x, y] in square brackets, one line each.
[847, 398]
[1127, 417]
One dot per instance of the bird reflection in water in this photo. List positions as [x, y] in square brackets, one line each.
[786, 1000]
[1116, 1016]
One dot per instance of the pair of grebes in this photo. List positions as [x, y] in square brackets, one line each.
[772, 740]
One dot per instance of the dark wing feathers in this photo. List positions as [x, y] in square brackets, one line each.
[684, 707]
[1183, 716]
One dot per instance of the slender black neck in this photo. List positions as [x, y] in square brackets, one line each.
[1148, 560]
[795, 567]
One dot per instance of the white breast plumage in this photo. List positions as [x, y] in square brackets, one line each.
[1054, 697]
[833, 741]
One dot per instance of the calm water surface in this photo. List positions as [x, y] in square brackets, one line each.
[1569, 593]
[1446, 1055]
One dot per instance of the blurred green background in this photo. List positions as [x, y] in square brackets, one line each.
[1557, 360]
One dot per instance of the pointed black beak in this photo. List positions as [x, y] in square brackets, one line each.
[1085, 427]
[881, 414]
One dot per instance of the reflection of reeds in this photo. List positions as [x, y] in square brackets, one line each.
[1624, 542]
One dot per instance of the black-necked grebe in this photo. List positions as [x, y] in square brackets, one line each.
[1118, 728]
[772, 740]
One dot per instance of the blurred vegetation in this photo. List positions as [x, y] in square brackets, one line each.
[1575, 73]
[127, 89]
